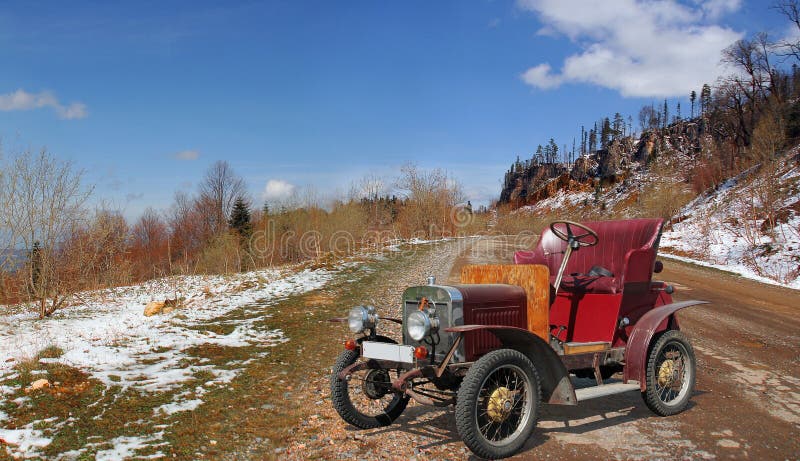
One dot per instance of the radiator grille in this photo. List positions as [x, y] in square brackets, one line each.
[480, 342]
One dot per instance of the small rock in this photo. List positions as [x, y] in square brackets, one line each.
[212, 442]
[153, 308]
[268, 406]
[36, 385]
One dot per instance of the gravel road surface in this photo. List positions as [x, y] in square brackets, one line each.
[746, 403]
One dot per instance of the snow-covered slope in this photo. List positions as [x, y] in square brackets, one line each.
[749, 225]
[108, 337]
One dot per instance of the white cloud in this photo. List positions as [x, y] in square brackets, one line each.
[22, 100]
[277, 189]
[639, 48]
[187, 155]
[713, 9]
[541, 77]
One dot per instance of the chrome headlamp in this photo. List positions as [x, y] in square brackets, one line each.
[362, 318]
[420, 325]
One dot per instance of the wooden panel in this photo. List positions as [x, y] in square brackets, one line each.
[582, 348]
[533, 278]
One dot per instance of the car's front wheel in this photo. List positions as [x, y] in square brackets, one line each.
[670, 374]
[366, 400]
[498, 404]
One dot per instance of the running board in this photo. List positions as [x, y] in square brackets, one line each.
[594, 392]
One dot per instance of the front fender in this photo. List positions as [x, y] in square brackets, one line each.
[639, 339]
[553, 375]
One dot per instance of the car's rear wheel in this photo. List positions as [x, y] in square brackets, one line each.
[366, 400]
[670, 374]
[498, 404]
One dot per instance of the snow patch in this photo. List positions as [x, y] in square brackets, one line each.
[24, 440]
[175, 407]
[125, 447]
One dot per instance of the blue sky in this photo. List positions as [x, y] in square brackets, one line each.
[145, 96]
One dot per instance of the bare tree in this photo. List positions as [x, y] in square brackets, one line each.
[753, 84]
[188, 231]
[219, 190]
[42, 205]
[98, 250]
[431, 197]
[791, 10]
[150, 244]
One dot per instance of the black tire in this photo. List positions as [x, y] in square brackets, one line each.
[670, 374]
[382, 414]
[483, 405]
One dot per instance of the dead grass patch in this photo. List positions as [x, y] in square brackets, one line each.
[319, 299]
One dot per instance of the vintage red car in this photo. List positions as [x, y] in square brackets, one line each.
[509, 337]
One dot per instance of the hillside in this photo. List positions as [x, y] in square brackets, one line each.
[621, 167]
[748, 223]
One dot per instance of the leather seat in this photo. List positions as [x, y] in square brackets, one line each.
[627, 248]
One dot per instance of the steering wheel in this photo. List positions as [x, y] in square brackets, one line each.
[587, 239]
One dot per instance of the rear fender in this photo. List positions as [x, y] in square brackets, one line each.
[553, 376]
[653, 321]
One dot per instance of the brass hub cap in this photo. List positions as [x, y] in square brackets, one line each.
[670, 372]
[500, 404]
[666, 373]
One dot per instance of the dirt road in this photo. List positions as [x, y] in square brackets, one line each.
[746, 402]
[747, 397]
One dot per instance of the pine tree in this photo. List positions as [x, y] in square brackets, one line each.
[665, 115]
[572, 154]
[583, 140]
[618, 127]
[553, 147]
[240, 218]
[705, 99]
[605, 133]
[692, 98]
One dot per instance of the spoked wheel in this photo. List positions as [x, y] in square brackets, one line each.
[670, 374]
[498, 404]
[366, 400]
